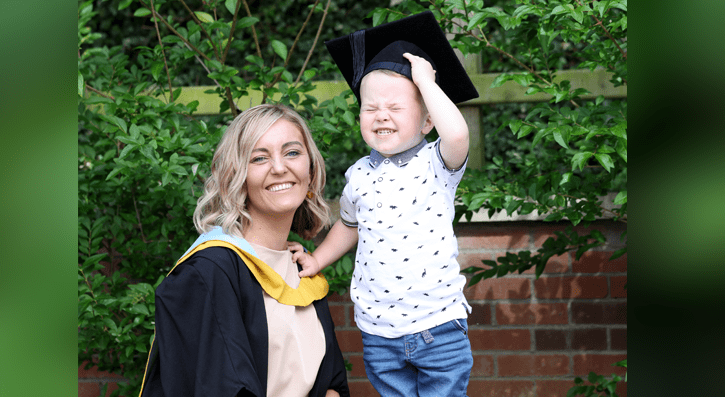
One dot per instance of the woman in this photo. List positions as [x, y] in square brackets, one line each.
[233, 318]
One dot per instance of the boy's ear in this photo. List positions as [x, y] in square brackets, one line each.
[427, 125]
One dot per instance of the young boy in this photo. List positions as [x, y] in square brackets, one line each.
[398, 207]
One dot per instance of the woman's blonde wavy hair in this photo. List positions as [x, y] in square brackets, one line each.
[224, 202]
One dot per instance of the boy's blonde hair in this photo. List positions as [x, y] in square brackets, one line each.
[224, 201]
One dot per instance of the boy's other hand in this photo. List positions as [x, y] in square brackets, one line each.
[420, 69]
[309, 264]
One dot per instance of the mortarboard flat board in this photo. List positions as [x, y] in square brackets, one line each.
[379, 45]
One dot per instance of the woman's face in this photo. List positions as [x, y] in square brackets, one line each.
[278, 177]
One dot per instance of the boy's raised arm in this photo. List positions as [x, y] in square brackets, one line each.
[338, 241]
[444, 114]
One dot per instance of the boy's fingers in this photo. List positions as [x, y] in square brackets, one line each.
[306, 273]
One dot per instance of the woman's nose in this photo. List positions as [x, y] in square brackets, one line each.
[278, 166]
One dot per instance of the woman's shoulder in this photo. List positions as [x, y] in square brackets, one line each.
[209, 261]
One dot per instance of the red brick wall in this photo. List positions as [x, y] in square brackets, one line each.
[530, 338]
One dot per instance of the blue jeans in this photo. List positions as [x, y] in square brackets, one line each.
[435, 362]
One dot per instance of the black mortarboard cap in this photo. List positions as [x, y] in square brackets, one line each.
[382, 47]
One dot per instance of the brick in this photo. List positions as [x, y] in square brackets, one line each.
[482, 365]
[94, 373]
[507, 339]
[338, 314]
[598, 262]
[503, 288]
[358, 366]
[622, 388]
[589, 339]
[599, 313]
[334, 297]
[362, 388]
[542, 233]
[349, 341]
[531, 313]
[556, 264]
[611, 230]
[480, 314]
[582, 287]
[501, 388]
[618, 338]
[490, 236]
[533, 365]
[598, 363]
[89, 389]
[469, 259]
[351, 315]
[112, 386]
[550, 339]
[553, 388]
[617, 284]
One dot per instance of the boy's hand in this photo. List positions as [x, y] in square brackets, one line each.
[309, 264]
[420, 69]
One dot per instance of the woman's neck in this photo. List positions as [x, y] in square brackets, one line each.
[270, 232]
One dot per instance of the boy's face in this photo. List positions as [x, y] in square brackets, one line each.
[392, 119]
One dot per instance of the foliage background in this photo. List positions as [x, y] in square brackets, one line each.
[676, 142]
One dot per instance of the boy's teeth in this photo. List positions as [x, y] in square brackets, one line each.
[276, 188]
[384, 132]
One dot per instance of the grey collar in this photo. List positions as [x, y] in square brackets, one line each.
[400, 159]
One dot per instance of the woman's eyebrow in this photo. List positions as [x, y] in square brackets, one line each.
[292, 143]
[262, 149]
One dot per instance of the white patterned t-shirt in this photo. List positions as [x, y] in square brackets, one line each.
[406, 276]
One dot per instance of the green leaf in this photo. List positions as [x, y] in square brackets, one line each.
[616, 255]
[349, 118]
[605, 160]
[156, 70]
[578, 14]
[500, 80]
[580, 160]
[124, 4]
[340, 102]
[142, 12]
[621, 198]
[141, 308]
[540, 135]
[621, 149]
[81, 84]
[513, 206]
[231, 5]
[280, 49]
[379, 16]
[620, 130]
[561, 137]
[602, 6]
[559, 10]
[525, 9]
[477, 18]
[247, 22]
[565, 178]
[204, 17]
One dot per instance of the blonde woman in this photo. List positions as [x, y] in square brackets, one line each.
[233, 318]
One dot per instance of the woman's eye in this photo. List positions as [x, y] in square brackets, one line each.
[294, 153]
[259, 159]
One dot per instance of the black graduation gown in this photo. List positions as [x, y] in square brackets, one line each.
[212, 337]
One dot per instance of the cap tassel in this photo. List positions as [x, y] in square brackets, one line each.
[357, 42]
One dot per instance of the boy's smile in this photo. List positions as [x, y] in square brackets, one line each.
[392, 119]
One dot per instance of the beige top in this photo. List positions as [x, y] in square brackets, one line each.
[296, 338]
